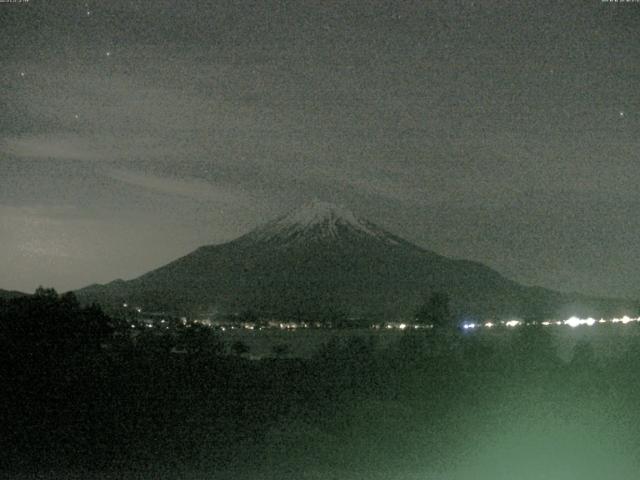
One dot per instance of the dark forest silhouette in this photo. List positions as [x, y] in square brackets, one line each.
[79, 397]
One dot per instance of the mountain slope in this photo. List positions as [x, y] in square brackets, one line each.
[322, 258]
[9, 294]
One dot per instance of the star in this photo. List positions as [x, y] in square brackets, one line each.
[22, 74]
[88, 13]
[622, 114]
[108, 54]
[76, 116]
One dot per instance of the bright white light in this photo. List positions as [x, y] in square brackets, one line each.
[125, 305]
[573, 322]
[402, 326]
[138, 310]
[576, 322]
[623, 320]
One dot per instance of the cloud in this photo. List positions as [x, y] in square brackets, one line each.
[37, 232]
[51, 212]
[186, 187]
[63, 147]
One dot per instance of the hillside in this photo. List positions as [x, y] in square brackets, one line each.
[9, 294]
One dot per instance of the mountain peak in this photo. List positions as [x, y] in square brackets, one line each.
[317, 212]
[318, 219]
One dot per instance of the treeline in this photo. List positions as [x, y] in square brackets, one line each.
[76, 401]
[46, 327]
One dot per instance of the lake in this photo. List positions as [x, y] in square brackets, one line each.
[608, 340]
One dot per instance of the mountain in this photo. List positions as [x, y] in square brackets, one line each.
[9, 294]
[321, 259]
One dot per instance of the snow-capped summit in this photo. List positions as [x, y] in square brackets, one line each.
[320, 213]
[321, 220]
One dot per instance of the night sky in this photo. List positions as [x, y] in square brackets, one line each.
[132, 132]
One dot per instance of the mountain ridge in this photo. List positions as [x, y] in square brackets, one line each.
[10, 294]
[321, 257]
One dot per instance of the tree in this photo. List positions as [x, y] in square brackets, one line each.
[153, 343]
[239, 348]
[41, 335]
[436, 311]
[281, 350]
[248, 316]
[199, 340]
[48, 293]
[329, 314]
